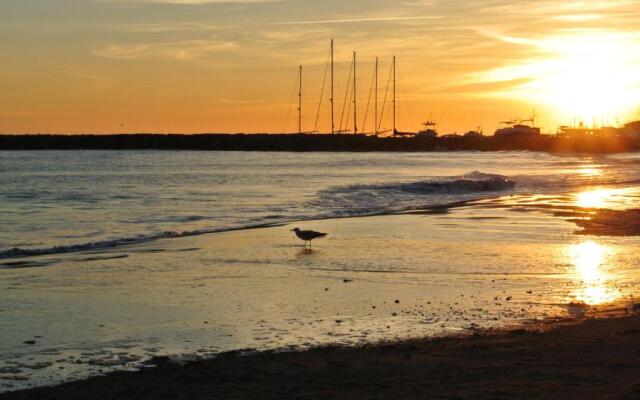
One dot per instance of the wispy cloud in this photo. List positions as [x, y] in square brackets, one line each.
[554, 7]
[578, 17]
[165, 51]
[169, 27]
[507, 38]
[349, 20]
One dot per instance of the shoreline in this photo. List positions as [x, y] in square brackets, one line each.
[318, 143]
[351, 307]
[600, 222]
[588, 357]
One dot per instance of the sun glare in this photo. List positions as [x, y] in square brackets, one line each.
[622, 198]
[593, 198]
[588, 77]
[588, 258]
[586, 171]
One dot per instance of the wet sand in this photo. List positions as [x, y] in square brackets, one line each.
[401, 279]
[610, 223]
[596, 359]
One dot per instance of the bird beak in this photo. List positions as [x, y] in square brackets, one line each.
[293, 230]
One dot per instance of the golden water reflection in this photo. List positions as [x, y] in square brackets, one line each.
[589, 171]
[594, 198]
[620, 198]
[590, 261]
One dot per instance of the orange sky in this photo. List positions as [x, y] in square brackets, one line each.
[102, 66]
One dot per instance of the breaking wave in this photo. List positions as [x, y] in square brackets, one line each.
[17, 252]
[473, 182]
[335, 202]
[381, 198]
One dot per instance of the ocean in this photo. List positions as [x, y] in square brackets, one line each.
[54, 202]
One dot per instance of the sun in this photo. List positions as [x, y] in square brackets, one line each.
[590, 77]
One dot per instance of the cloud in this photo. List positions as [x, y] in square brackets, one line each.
[168, 27]
[165, 51]
[556, 7]
[578, 17]
[340, 21]
[506, 38]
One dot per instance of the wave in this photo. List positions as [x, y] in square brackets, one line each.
[404, 196]
[18, 252]
[473, 182]
[336, 202]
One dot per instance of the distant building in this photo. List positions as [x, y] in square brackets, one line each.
[474, 134]
[429, 130]
[610, 131]
[575, 131]
[582, 131]
[518, 130]
[632, 129]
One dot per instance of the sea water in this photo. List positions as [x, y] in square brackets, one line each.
[57, 201]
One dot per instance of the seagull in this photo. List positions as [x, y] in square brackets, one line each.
[308, 236]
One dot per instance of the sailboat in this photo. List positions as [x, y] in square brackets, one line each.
[331, 96]
[395, 131]
[351, 90]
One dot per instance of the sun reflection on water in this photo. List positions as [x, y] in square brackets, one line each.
[589, 259]
[589, 171]
[619, 198]
[593, 198]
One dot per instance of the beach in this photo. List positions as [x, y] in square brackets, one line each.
[488, 254]
[593, 359]
[191, 299]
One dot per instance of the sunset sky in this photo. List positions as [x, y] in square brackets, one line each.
[100, 66]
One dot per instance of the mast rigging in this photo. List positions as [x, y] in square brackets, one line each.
[300, 103]
[355, 99]
[333, 126]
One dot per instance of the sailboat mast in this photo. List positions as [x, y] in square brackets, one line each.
[333, 128]
[355, 101]
[533, 118]
[300, 102]
[375, 106]
[394, 95]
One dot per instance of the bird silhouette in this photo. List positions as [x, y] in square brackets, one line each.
[308, 236]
